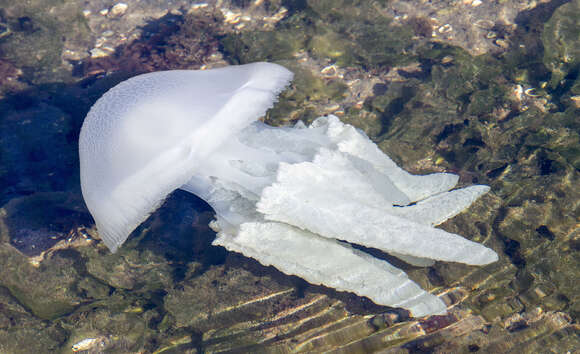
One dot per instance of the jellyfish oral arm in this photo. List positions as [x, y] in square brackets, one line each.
[291, 214]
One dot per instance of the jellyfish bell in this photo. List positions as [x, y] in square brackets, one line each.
[283, 196]
[146, 137]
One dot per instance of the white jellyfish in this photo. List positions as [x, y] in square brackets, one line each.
[289, 197]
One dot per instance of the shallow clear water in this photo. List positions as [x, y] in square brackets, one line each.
[487, 90]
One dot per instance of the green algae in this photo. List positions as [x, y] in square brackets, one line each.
[561, 40]
[203, 302]
[260, 46]
[368, 43]
[35, 43]
[327, 31]
[333, 46]
[354, 33]
[129, 269]
[305, 97]
[22, 332]
[35, 288]
[48, 290]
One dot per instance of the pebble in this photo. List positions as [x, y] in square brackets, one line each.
[100, 41]
[98, 53]
[329, 71]
[86, 344]
[118, 10]
[200, 5]
[502, 43]
[277, 16]
[447, 59]
[445, 28]
[230, 16]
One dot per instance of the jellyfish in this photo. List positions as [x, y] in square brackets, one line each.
[297, 198]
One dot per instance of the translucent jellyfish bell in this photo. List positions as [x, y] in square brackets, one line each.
[148, 135]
